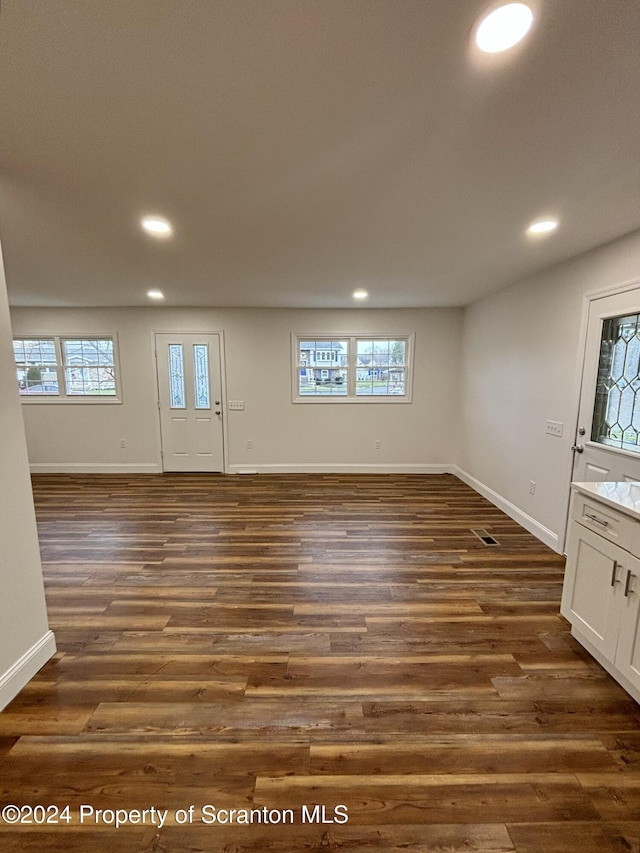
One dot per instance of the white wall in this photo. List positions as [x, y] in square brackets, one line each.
[521, 368]
[419, 436]
[25, 640]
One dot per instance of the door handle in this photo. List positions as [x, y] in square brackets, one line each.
[627, 586]
[596, 519]
[577, 448]
[614, 579]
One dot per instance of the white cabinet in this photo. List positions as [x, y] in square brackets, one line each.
[601, 592]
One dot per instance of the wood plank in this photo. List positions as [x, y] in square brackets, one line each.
[567, 838]
[465, 754]
[486, 838]
[445, 798]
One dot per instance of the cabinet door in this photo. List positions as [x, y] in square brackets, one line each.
[590, 598]
[628, 653]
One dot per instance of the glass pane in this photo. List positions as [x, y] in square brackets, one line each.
[47, 384]
[365, 353]
[36, 368]
[323, 353]
[381, 352]
[176, 376]
[616, 413]
[323, 368]
[379, 370]
[397, 352]
[90, 381]
[201, 373]
[89, 366]
[322, 382]
[380, 382]
[40, 351]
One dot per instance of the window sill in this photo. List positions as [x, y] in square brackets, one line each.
[323, 399]
[69, 401]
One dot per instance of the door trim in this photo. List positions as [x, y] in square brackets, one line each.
[588, 298]
[223, 386]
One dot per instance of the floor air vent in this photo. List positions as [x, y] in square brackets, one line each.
[485, 537]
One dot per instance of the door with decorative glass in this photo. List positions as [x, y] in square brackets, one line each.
[190, 401]
[607, 446]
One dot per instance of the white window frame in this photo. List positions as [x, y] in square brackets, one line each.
[351, 368]
[62, 397]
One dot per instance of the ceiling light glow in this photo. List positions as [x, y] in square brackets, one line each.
[360, 294]
[504, 27]
[157, 226]
[543, 226]
[155, 294]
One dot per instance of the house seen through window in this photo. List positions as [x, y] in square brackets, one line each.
[352, 368]
[63, 368]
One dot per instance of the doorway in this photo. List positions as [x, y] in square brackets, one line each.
[190, 401]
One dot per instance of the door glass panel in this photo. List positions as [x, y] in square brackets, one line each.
[616, 413]
[201, 375]
[176, 376]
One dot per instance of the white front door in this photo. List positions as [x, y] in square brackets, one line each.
[607, 445]
[190, 401]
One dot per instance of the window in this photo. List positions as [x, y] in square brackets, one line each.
[67, 369]
[616, 414]
[356, 369]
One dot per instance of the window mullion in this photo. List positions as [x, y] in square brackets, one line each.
[351, 367]
[61, 368]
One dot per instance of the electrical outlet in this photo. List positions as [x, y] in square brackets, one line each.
[249, 444]
[555, 428]
[236, 405]
[123, 442]
[532, 487]
[378, 444]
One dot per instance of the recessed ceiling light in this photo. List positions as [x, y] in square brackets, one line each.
[543, 226]
[157, 226]
[503, 27]
[360, 294]
[155, 294]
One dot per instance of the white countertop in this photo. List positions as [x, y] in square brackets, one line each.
[624, 497]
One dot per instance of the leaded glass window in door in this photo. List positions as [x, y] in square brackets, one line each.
[616, 413]
[201, 375]
[176, 376]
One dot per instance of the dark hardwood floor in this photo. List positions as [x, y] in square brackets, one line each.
[272, 643]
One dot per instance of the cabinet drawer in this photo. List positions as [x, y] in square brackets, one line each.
[607, 522]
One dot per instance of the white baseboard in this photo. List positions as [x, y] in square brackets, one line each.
[23, 670]
[538, 530]
[95, 468]
[339, 468]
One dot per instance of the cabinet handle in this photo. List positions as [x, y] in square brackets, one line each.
[627, 586]
[614, 579]
[596, 519]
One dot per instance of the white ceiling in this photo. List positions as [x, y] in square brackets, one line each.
[303, 148]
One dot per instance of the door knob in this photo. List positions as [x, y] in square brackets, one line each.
[577, 448]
